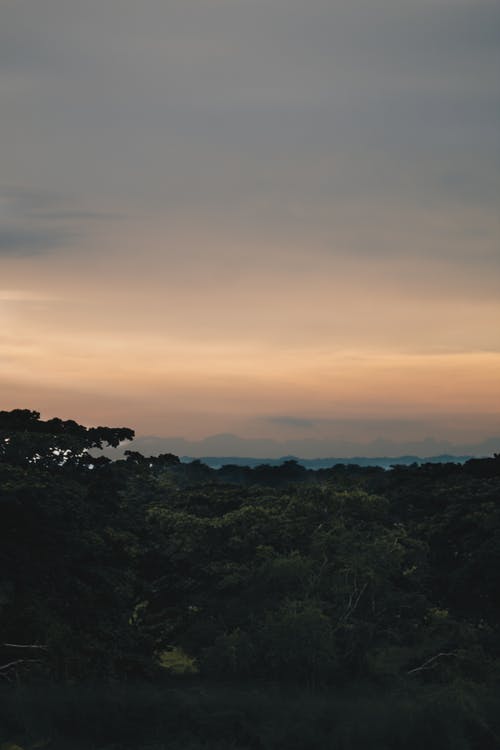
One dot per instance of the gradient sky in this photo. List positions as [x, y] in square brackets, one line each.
[278, 218]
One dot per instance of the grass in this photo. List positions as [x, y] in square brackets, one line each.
[187, 714]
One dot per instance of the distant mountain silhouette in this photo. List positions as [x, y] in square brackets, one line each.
[234, 449]
[215, 462]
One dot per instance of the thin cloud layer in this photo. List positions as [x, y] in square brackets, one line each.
[38, 221]
[18, 241]
[212, 194]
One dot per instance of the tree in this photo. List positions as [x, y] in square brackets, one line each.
[26, 439]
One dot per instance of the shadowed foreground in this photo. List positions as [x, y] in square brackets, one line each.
[239, 717]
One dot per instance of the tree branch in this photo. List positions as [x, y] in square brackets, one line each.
[430, 663]
[5, 667]
[354, 599]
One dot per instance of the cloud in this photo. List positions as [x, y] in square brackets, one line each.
[17, 200]
[71, 215]
[292, 421]
[217, 103]
[38, 221]
[376, 431]
[316, 176]
[231, 445]
[41, 203]
[17, 241]
[22, 50]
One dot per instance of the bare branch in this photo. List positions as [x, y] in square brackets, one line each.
[430, 663]
[5, 667]
[25, 645]
[354, 599]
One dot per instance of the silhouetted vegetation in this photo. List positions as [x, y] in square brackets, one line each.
[150, 603]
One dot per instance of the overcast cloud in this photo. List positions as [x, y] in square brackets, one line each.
[324, 174]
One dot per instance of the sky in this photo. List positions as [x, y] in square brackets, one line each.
[275, 219]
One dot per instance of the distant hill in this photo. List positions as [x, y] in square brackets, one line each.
[215, 462]
[228, 448]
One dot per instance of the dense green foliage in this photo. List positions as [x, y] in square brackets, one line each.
[269, 575]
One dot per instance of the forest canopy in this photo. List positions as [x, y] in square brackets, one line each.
[112, 570]
[275, 572]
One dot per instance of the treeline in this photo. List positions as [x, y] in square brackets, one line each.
[320, 579]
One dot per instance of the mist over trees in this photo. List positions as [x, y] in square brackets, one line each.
[120, 572]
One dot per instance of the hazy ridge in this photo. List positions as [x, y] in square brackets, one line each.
[228, 448]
